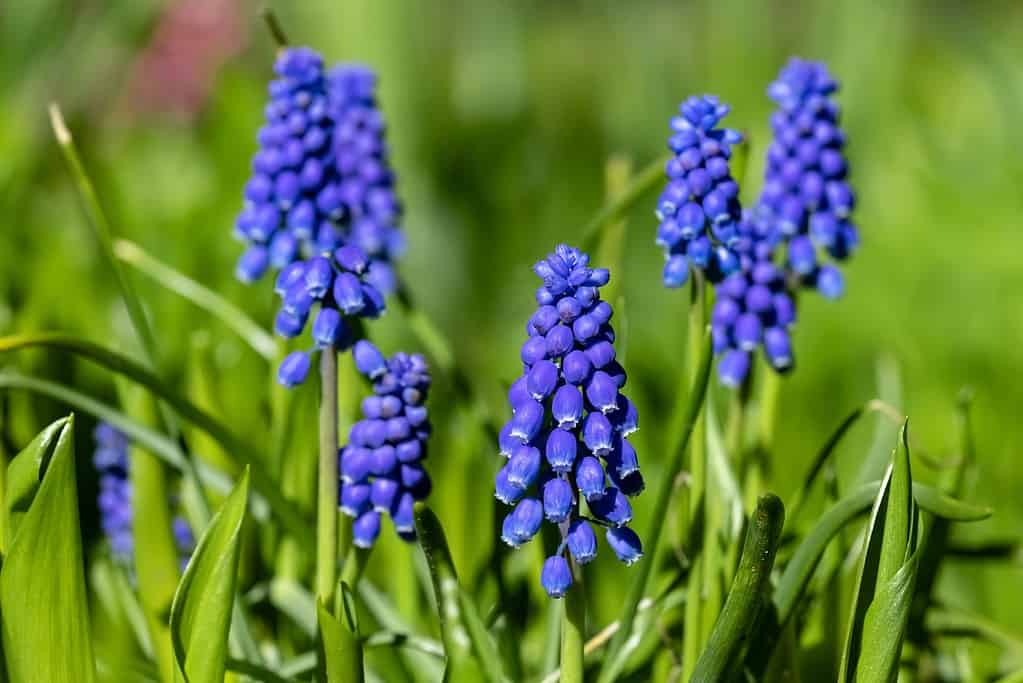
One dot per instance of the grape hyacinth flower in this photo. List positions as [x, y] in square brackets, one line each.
[115, 498]
[753, 307]
[381, 468]
[111, 461]
[806, 189]
[338, 285]
[699, 208]
[567, 440]
[320, 207]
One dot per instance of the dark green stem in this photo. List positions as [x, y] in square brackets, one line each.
[326, 500]
[274, 26]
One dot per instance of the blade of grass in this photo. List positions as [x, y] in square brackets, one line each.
[235, 318]
[692, 402]
[233, 445]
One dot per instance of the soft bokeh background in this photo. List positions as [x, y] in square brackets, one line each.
[501, 117]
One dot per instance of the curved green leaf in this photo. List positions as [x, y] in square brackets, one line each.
[462, 630]
[800, 568]
[250, 332]
[200, 617]
[748, 594]
[43, 608]
[233, 445]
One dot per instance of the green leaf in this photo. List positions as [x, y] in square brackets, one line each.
[250, 332]
[24, 474]
[462, 630]
[200, 618]
[340, 652]
[235, 446]
[880, 611]
[43, 608]
[157, 443]
[748, 594]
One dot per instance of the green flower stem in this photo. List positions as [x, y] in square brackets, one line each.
[355, 565]
[753, 472]
[326, 499]
[275, 28]
[748, 593]
[573, 630]
[693, 634]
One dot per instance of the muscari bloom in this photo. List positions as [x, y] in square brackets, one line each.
[806, 190]
[381, 467]
[115, 500]
[699, 208]
[320, 207]
[566, 442]
[753, 307]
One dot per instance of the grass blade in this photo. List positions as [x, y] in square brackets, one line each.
[339, 651]
[233, 445]
[44, 615]
[748, 594]
[261, 341]
[692, 405]
[200, 616]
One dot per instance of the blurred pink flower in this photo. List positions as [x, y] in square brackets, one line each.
[175, 73]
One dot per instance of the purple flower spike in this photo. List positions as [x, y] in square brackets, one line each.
[568, 411]
[381, 467]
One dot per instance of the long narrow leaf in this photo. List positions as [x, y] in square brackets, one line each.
[250, 332]
[880, 611]
[43, 608]
[200, 617]
[461, 627]
[116, 362]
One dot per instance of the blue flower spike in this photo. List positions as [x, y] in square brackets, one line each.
[566, 438]
[699, 208]
[115, 498]
[381, 466]
[806, 192]
[320, 207]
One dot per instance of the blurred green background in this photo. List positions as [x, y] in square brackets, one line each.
[501, 117]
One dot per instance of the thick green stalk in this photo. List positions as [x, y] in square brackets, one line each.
[355, 565]
[326, 498]
[693, 635]
[748, 594]
[573, 631]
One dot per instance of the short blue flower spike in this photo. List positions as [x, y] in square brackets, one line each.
[566, 438]
[806, 191]
[381, 469]
[115, 498]
[699, 208]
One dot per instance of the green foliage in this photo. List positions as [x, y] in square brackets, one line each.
[200, 616]
[44, 616]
